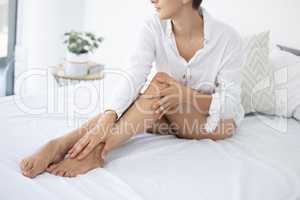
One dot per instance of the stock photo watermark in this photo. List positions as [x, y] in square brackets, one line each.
[63, 101]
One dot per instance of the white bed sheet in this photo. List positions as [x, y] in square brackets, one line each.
[257, 163]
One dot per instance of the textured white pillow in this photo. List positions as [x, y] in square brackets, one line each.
[257, 92]
[279, 58]
[286, 69]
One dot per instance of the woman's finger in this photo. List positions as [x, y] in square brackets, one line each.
[68, 155]
[167, 91]
[166, 79]
[160, 103]
[165, 111]
[87, 150]
[79, 146]
[156, 105]
[163, 103]
[70, 151]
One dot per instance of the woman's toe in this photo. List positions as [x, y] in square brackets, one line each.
[67, 174]
[28, 173]
[71, 174]
[54, 172]
[23, 164]
[64, 173]
[51, 168]
[60, 173]
[28, 165]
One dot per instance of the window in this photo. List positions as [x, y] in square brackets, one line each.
[8, 16]
[3, 28]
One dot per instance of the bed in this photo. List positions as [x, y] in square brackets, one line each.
[260, 162]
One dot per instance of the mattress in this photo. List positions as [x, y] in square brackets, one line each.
[260, 162]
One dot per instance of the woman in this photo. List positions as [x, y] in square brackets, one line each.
[194, 95]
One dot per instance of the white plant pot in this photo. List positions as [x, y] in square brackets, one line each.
[76, 65]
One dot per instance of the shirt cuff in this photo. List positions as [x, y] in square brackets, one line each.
[118, 109]
[213, 119]
[117, 113]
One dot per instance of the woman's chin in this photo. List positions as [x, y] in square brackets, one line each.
[163, 16]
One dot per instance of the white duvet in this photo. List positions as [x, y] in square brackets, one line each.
[259, 162]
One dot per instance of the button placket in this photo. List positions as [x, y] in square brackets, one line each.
[184, 79]
[187, 75]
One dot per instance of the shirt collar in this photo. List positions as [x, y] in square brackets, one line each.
[206, 23]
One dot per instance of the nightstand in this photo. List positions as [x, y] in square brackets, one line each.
[95, 74]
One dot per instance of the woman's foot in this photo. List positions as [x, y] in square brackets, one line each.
[73, 167]
[54, 151]
[37, 163]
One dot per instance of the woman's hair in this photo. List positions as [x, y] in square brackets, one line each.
[196, 3]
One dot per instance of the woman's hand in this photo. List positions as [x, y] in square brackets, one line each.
[92, 138]
[170, 97]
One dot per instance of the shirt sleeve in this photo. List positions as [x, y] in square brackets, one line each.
[226, 99]
[134, 76]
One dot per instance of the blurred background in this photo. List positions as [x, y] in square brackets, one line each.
[40, 26]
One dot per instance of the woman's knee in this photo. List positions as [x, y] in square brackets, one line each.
[156, 86]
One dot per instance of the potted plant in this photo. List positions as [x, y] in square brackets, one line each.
[79, 46]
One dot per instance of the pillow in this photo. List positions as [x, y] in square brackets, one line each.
[290, 50]
[279, 58]
[286, 69]
[257, 93]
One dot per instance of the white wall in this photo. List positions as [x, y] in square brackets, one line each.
[282, 17]
[118, 21]
[41, 26]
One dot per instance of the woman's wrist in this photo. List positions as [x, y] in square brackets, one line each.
[107, 120]
[111, 115]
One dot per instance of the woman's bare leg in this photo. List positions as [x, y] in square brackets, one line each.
[138, 118]
[54, 151]
[161, 127]
[190, 124]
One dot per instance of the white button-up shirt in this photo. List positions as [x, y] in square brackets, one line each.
[214, 69]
